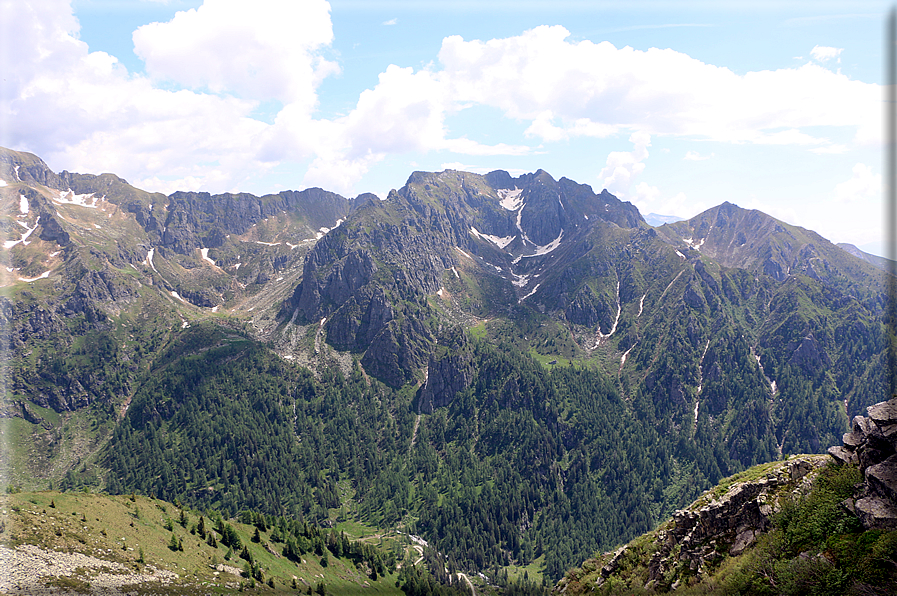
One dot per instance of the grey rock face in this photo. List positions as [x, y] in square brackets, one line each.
[872, 444]
[582, 309]
[447, 374]
[25, 167]
[730, 522]
[398, 351]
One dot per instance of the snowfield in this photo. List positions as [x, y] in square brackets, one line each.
[510, 199]
[496, 240]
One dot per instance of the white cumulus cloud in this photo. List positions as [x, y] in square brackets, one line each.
[566, 88]
[262, 50]
[825, 53]
[623, 166]
[188, 123]
[863, 185]
[84, 111]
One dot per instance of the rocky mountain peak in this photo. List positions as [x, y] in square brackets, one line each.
[27, 168]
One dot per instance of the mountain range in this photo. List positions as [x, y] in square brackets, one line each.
[518, 369]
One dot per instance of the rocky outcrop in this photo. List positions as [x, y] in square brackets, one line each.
[722, 523]
[582, 310]
[197, 219]
[398, 352]
[872, 445]
[19, 166]
[357, 322]
[450, 370]
[51, 230]
[24, 410]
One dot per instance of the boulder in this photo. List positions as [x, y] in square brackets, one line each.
[876, 513]
[842, 455]
[872, 445]
[882, 478]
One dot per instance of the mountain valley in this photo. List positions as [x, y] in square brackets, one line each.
[518, 370]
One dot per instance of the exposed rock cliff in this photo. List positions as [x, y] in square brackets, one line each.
[872, 445]
[450, 370]
[724, 521]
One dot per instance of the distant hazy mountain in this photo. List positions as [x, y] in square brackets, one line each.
[880, 262]
[655, 219]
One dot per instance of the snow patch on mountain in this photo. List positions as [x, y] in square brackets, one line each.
[323, 230]
[530, 294]
[205, 256]
[149, 259]
[624, 356]
[43, 275]
[520, 227]
[544, 250]
[520, 280]
[496, 240]
[3, 183]
[68, 197]
[510, 199]
[602, 336]
[695, 245]
[24, 239]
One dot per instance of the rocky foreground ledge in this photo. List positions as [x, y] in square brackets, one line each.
[731, 539]
[872, 445]
[725, 520]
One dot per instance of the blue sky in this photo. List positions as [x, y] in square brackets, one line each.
[674, 106]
